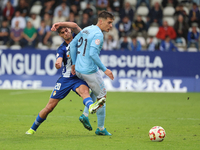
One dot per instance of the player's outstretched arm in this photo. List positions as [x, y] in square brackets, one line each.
[76, 29]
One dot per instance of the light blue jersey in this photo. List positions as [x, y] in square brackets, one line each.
[87, 45]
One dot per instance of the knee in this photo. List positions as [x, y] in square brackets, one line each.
[83, 92]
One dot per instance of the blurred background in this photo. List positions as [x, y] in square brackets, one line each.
[153, 45]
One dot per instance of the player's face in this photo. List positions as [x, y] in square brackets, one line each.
[66, 34]
[107, 24]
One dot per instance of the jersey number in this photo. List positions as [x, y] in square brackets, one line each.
[81, 42]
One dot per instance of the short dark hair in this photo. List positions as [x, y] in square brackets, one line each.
[134, 37]
[105, 14]
[167, 36]
[60, 28]
[194, 3]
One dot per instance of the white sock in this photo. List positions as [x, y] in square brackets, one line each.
[86, 115]
[101, 128]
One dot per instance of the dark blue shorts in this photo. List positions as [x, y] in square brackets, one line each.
[65, 85]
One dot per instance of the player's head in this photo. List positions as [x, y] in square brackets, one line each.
[65, 33]
[105, 20]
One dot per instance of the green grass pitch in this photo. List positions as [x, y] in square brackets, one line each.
[129, 117]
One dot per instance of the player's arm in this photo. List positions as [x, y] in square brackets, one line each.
[75, 28]
[59, 57]
[95, 47]
[73, 53]
[74, 48]
[95, 57]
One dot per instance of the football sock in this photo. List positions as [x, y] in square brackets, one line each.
[86, 112]
[101, 114]
[87, 102]
[37, 122]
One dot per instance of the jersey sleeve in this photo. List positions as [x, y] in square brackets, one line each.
[73, 48]
[94, 55]
[60, 52]
[97, 41]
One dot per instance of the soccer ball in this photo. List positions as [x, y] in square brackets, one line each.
[157, 133]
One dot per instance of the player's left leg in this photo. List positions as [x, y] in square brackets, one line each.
[60, 91]
[101, 114]
[43, 115]
[96, 83]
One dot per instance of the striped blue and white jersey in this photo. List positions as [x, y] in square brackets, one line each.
[64, 52]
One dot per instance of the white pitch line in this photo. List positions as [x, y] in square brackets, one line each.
[5, 115]
[188, 119]
[63, 116]
[25, 92]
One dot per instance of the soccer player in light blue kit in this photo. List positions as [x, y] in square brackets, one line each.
[84, 50]
[67, 81]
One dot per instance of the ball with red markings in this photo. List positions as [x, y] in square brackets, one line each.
[157, 134]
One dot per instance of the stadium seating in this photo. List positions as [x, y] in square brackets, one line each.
[15, 47]
[42, 47]
[132, 2]
[117, 19]
[190, 29]
[36, 9]
[183, 44]
[142, 10]
[186, 10]
[155, 40]
[192, 49]
[168, 11]
[3, 47]
[38, 2]
[181, 49]
[93, 9]
[83, 5]
[154, 1]
[152, 28]
[56, 42]
[170, 20]
[152, 31]
[142, 41]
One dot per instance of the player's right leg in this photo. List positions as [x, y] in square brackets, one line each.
[84, 117]
[82, 89]
[96, 83]
[43, 115]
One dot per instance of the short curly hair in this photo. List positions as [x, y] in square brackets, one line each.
[60, 28]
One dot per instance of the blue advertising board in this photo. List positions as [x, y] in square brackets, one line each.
[133, 71]
[152, 64]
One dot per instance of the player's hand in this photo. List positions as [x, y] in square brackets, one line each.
[73, 70]
[109, 74]
[55, 26]
[58, 65]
